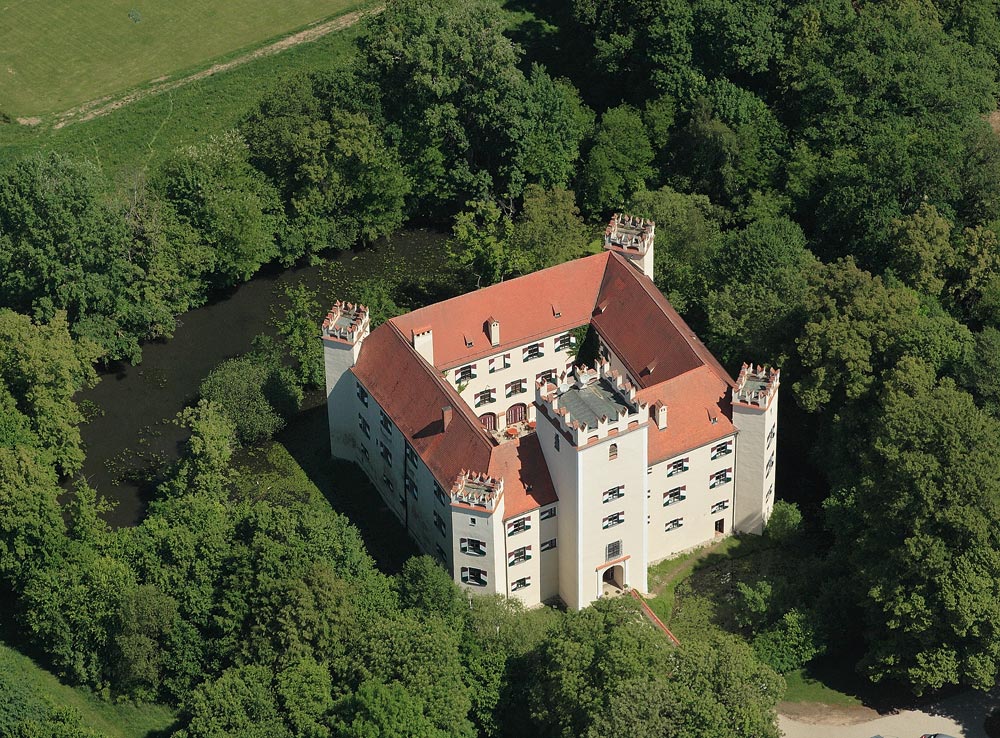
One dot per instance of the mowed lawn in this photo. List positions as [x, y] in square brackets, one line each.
[56, 54]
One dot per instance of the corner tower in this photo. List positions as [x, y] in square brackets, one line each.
[632, 237]
[344, 330]
[755, 415]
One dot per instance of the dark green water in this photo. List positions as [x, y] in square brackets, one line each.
[133, 406]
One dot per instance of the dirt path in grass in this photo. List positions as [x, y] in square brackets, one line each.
[104, 105]
[672, 573]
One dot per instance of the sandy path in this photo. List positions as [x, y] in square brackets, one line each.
[104, 105]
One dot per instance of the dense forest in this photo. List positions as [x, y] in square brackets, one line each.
[826, 187]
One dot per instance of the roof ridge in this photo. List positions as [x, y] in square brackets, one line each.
[683, 329]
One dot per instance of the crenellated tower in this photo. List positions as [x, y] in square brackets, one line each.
[755, 415]
[632, 237]
[343, 331]
[593, 433]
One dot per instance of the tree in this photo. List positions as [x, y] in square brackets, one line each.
[378, 709]
[483, 242]
[549, 229]
[204, 467]
[922, 251]
[216, 190]
[299, 332]
[556, 122]
[448, 82]
[915, 518]
[42, 368]
[240, 702]
[256, 392]
[426, 588]
[619, 162]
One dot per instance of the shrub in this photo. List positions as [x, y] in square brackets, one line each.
[790, 644]
[784, 523]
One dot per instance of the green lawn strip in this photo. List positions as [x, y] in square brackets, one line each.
[115, 720]
[59, 54]
[804, 688]
[666, 575]
[136, 137]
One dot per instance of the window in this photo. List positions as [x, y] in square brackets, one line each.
[364, 452]
[770, 493]
[472, 522]
[720, 506]
[720, 477]
[475, 577]
[465, 373]
[440, 553]
[517, 387]
[549, 512]
[388, 483]
[385, 422]
[557, 441]
[410, 454]
[614, 519]
[486, 397]
[519, 556]
[518, 525]
[675, 495]
[410, 486]
[612, 550]
[673, 524]
[548, 545]
[549, 375]
[612, 452]
[770, 465]
[613, 494]
[520, 583]
[439, 523]
[499, 362]
[564, 341]
[362, 394]
[534, 351]
[385, 453]
[363, 425]
[721, 449]
[677, 467]
[770, 436]
[472, 546]
[649, 470]
[439, 494]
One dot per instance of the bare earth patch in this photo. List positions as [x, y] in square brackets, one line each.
[817, 713]
[103, 106]
[29, 121]
[994, 119]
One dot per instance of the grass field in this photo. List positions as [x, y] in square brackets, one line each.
[56, 54]
[137, 136]
[114, 720]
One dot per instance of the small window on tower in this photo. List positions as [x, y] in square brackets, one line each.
[612, 452]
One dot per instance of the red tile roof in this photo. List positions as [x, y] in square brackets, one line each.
[413, 394]
[692, 400]
[534, 306]
[645, 331]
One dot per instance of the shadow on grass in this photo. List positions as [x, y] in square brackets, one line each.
[347, 489]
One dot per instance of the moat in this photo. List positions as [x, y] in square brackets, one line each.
[130, 431]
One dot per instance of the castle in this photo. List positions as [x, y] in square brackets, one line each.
[529, 475]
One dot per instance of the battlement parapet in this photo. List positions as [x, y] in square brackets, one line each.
[590, 402]
[629, 233]
[477, 489]
[347, 322]
[756, 386]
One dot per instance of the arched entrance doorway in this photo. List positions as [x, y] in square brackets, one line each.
[517, 413]
[489, 421]
[613, 579]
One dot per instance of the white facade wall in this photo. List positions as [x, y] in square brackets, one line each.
[482, 525]
[695, 510]
[758, 444]
[551, 359]
[599, 474]
[341, 392]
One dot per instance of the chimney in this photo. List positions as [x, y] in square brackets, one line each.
[423, 342]
[661, 415]
[446, 413]
[493, 331]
